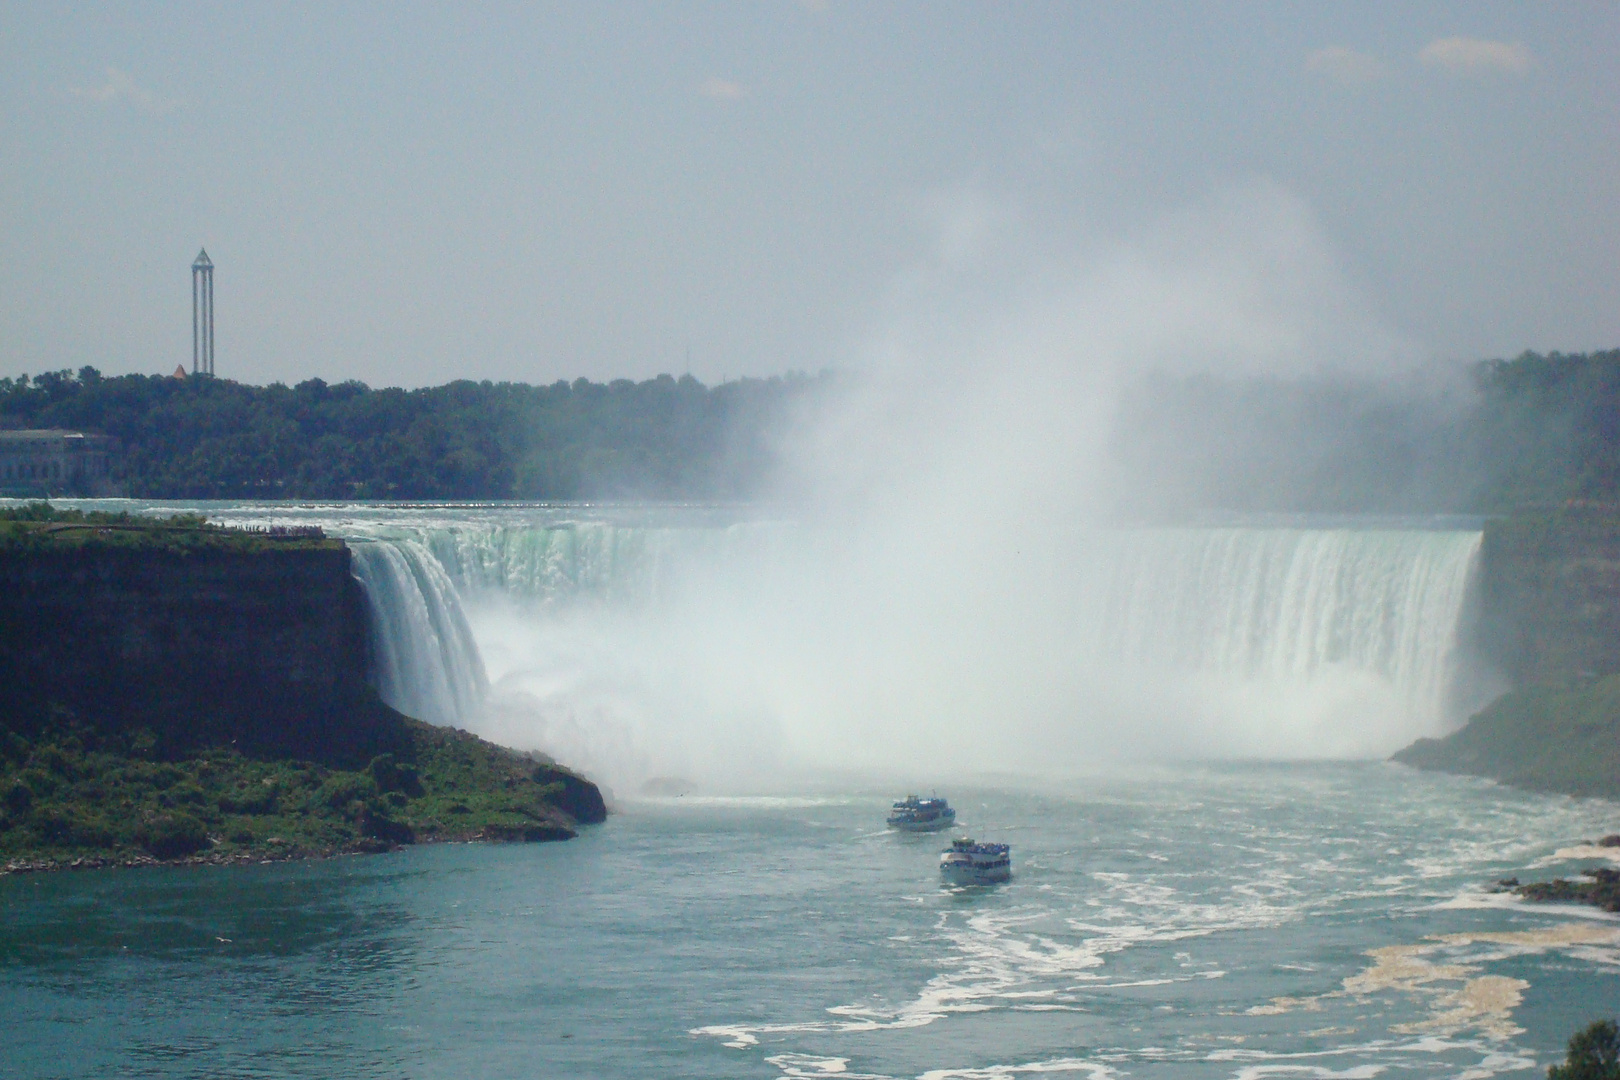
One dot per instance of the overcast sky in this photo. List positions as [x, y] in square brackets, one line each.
[410, 194]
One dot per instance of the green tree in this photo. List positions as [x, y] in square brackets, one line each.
[1594, 1054]
[213, 438]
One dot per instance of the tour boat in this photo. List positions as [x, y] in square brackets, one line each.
[912, 814]
[968, 863]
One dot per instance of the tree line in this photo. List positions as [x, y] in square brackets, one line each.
[662, 438]
[1538, 430]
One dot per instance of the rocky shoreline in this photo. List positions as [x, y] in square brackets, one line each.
[1600, 890]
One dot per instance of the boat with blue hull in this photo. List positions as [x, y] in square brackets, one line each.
[912, 814]
[966, 862]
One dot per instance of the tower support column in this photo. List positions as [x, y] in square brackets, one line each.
[202, 315]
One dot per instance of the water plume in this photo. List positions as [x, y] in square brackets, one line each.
[942, 586]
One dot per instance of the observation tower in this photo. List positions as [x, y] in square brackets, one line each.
[202, 314]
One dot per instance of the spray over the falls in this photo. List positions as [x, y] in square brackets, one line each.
[637, 652]
[949, 588]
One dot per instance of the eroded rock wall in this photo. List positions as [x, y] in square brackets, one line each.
[265, 649]
[1550, 595]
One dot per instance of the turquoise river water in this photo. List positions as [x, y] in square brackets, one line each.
[1238, 921]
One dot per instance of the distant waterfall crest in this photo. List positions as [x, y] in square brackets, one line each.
[425, 659]
[1283, 605]
[609, 562]
[589, 561]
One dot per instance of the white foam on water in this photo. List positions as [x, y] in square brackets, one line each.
[808, 1065]
[796, 1066]
[1056, 955]
[994, 965]
[1093, 1069]
[1579, 851]
[1355, 1072]
[1445, 977]
[1494, 1059]
[1474, 898]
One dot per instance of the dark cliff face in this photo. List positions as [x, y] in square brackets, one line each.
[265, 649]
[578, 797]
[1551, 595]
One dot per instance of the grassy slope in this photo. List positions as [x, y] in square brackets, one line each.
[74, 793]
[1564, 739]
[40, 527]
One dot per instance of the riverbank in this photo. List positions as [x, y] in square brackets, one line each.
[1544, 738]
[75, 797]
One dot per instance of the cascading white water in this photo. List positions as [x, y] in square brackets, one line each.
[587, 561]
[1284, 605]
[425, 659]
[642, 641]
[1266, 640]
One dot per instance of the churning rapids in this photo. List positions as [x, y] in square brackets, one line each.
[1190, 898]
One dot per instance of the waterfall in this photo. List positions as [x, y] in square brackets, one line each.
[591, 561]
[1262, 641]
[1286, 605]
[566, 561]
[425, 660]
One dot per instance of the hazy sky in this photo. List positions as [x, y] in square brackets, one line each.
[410, 194]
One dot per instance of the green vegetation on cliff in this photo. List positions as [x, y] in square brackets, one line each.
[1546, 738]
[1548, 429]
[75, 794]
[39, 527]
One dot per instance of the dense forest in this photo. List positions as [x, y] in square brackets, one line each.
[1538, 430]
[214, 438]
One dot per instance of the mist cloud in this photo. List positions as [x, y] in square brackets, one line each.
[939, 596]
[121, 87]
[722, 90]
[1346, 65]
[968, 471]
[1474, 56]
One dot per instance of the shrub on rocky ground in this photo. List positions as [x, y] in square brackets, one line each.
[171, 836]
[73, 793]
